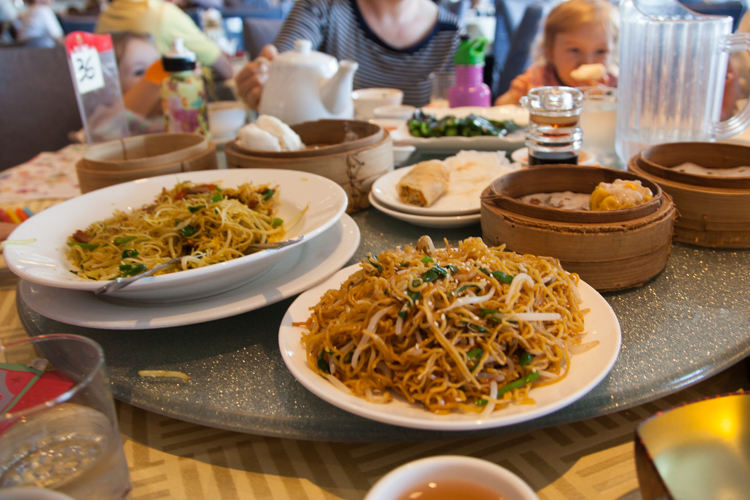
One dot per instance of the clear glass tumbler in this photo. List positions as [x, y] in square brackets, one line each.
[599, 123]
[440, 84]
[58, 428]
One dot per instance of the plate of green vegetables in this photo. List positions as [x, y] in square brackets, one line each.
[443, 130]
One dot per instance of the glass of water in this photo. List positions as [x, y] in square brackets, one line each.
[599, 123]
[58, 428]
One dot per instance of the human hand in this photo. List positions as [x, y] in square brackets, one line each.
[254, 75]
[519, 87]
[731, 93]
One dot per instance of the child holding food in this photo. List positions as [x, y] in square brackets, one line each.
[579, 37]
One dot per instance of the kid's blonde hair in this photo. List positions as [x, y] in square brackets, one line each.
[572, 14]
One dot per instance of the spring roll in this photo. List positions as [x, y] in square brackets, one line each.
[424, 184]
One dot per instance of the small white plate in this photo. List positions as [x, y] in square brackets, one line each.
[302, 268]
[587, 370]
[445, 221]
[522, 156]
[510, 142]
[461, 198]
[45, 262]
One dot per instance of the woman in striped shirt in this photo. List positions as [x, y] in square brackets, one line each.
[397, 43]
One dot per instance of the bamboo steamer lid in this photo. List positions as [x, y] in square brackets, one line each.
[90, 180]
[355, 170]
[610, 250]
[143, 151]
[713, 211]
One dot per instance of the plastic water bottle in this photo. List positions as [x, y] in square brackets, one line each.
[470, 89]
[183, 94]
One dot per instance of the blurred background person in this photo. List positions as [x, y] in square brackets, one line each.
[397, 43]
[39, 23]
[164, 22]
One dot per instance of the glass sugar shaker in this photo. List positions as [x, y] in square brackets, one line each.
[553, 134]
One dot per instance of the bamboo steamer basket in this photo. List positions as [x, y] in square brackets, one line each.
[610, 250]
[143, 151]
[325, 137]
[712, 211]
[90, 180]
[355, 170]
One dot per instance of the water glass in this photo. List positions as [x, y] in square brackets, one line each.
[58, 428]
[440, 84]
[599, 123]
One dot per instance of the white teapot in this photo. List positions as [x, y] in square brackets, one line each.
[305, 85]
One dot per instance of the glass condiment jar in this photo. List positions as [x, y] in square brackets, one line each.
[553, 134]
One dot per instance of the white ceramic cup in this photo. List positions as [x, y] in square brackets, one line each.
[366, 100]
[401, 480]
[400, 112]
[226, 118]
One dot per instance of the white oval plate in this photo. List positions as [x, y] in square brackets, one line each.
[587, 370]
[445, 221]
[44, 261]
[461, 198]
[510, 142]
[304, 267]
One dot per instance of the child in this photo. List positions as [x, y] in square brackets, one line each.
[576, 32]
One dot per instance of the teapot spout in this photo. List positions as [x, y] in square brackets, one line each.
[336, 93]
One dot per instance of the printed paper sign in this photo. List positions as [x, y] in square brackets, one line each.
[87, 69]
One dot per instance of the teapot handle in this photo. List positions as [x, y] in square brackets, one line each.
[740, 121]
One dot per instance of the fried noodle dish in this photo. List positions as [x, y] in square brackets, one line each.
[202, 222]
[466, 328]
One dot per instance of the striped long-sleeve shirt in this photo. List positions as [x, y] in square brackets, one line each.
[337, 27]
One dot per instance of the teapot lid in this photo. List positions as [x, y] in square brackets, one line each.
[303, 55]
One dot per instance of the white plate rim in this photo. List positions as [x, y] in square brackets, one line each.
[16, 257]
[425, 220]
[605, 328]
[280, 283]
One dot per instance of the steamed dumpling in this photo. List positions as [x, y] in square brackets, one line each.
[288, 138]
[256, 139]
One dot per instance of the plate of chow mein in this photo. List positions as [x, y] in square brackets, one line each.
[464, 337]
[214, 220]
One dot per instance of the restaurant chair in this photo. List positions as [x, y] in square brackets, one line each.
[732, 8]
[258, 33]
[71, 23]
[38, 102]
[519, 51]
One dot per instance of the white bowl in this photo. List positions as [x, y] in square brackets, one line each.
[401, 112]
[400, 481]
[44, 261]
[226, 118]
[401, 154]
[366, 100]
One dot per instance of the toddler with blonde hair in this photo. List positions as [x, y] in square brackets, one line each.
[576, 33]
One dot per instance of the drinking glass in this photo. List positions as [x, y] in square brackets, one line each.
[599, 123]
[58, 428]
[440, 84]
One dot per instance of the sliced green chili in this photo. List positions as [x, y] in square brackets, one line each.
[517, 384]
[129, 253]
[86, 246]
[123, 240]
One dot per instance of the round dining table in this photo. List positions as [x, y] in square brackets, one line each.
[243, 427]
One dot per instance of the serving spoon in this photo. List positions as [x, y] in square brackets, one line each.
[120, 283]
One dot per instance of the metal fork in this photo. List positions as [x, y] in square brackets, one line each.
[121, 283]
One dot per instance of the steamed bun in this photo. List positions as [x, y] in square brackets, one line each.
[268, 133]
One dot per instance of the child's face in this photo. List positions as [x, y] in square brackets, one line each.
[589, 44]
[138, 56]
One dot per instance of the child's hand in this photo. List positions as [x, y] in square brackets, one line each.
[519, 87]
